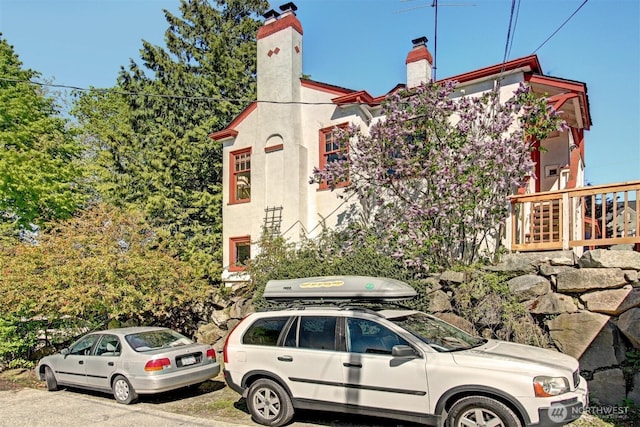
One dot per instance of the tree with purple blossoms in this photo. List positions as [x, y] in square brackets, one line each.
[434, 175]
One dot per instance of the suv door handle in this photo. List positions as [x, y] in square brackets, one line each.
[81, 362]
[110, 363]
[352, 365]
[285, 358]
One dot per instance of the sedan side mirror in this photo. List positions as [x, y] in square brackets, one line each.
[403, 351]
[64, 351]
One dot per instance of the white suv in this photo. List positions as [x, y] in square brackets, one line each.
[395, 363]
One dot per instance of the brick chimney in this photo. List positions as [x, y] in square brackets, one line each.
[419, 63]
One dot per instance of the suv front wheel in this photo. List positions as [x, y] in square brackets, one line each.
[481, 411]
[269, 403]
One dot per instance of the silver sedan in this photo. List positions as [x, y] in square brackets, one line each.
[130, 361]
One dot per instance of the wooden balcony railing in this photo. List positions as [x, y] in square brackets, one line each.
[587, 217]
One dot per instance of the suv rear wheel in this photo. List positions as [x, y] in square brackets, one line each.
[269, 403]
[481, 411]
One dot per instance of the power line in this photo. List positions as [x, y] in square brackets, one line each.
[560, 27]
[515, 24]
[156, 95]
[508, 42]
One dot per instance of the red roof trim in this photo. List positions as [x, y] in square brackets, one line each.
[396, 88]
[578, 88]
[229, 131]
[282, 23]
[223, 134]
[559, 83]
[360, 97]
[528, 61]
[419, 53]
[325, 87]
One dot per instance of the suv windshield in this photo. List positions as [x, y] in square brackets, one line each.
[439, 335]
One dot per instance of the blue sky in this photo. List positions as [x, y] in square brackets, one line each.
[362, 45]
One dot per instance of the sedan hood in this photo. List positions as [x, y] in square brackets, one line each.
[507, 356]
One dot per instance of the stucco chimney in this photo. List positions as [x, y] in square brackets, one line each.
[279, 65]
[419, 63]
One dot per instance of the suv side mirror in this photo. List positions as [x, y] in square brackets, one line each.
[403, 351]
[64, 351]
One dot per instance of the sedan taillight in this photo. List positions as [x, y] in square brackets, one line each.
[211, 354]
[157, 364]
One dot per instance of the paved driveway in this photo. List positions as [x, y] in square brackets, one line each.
[37, 408]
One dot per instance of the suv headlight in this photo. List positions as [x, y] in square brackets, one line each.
[550, 386]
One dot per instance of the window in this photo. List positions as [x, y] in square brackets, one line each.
[109, 345]
[265, 331]
[83, 347]
[240, 252]
[240, 187]
[365, 336]
[552, 170]
[331, 149]
[317, 332]
[153, 340]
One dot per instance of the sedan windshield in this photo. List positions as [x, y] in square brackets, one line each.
[440, 335]
[152, 340]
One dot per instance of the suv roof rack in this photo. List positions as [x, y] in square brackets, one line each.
[338, 289]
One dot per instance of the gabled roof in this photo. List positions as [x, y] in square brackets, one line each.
[229, 131]
[527, 63]
[568, 96]
[325, 87]
[360, 97]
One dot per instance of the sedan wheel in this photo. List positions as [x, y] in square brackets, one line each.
[122, 390]
[269, 403]
[50, 379]
[478, 411]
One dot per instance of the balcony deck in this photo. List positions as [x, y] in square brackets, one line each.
[578, 218]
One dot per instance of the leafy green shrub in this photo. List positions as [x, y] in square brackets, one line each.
[633, 359]
[487, 295]
[16, 342]
[280, 259]
[106, 263]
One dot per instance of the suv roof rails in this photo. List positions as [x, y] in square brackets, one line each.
[327, 289]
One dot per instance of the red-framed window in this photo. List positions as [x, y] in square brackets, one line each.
[239, 252]
[331, 149]
[240, 180]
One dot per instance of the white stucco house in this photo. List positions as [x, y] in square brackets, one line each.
[271, 148]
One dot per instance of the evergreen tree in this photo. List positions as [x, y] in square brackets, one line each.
[39, 172]
[150, 135]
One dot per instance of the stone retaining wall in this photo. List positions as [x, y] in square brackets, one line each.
[589, 308]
